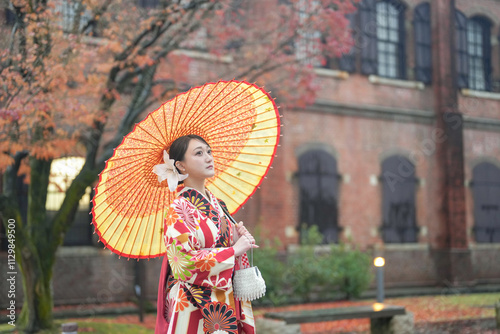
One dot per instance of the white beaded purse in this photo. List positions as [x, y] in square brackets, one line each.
[248, 283]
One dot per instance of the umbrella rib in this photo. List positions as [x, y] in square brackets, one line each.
[118, 198]
[106, 191]
[139, 156]
[203, 105]
[200, 90]
[213, 99]
[174, 111]
[249, 139]
[228, 107]
[246, 125]
[266, 128]
[143, 140]
[118, 187]
[174, 120]
[125, 175]
[146, 131]
[236, 120]
[250, 96]
[250, 153]
[254, 145]
[202, 102]
[252, 163]
[222, 191]
[239, 169]
[135, 148]
[164, 116]
[260, 129]
[158, 128]
[107, 171]
[154, 224]
[160, 221]
[122, 216]
[138, 211]
[237, 178]
[207, 116]
[158, 205]
[136, 189]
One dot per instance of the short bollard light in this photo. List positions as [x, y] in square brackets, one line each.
[379, 262]
[69, 328]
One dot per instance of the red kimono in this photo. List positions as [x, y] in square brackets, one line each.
[195, 293]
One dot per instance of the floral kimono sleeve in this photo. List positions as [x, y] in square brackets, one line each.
[188, 241]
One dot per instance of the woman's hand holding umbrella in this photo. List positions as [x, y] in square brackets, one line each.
[244, 241]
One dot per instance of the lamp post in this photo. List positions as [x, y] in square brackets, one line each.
[379, 262]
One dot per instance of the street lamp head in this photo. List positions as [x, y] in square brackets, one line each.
[379, 261]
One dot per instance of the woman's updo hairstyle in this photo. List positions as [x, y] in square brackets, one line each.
[179, 147]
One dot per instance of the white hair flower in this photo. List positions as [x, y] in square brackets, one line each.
[167, 171]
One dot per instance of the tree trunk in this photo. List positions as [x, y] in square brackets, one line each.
[36, 313]
[34, 256]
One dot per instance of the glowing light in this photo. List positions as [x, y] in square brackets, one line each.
[378, 307]
[379, 262]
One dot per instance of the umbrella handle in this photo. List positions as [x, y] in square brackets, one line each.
[235, 223]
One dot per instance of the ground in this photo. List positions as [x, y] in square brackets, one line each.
[444, 314]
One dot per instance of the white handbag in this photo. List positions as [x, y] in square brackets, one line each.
[248, 283]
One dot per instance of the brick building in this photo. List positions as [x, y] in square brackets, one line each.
[399, 155]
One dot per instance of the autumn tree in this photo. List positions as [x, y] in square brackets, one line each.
[66, 84]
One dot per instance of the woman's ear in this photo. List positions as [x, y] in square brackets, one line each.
[179, 166]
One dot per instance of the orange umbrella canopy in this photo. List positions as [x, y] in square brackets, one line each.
[239, 121]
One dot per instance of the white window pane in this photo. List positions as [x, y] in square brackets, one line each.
[382, 33]
[393, 22]
[393, 36]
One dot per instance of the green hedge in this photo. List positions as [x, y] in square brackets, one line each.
[312, 272]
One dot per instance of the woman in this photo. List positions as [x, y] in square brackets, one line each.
[204, 248]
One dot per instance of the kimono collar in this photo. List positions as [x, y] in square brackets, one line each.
[208, 206]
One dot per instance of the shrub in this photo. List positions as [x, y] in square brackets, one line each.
[313, 271]
[351, 268]
[266, 258]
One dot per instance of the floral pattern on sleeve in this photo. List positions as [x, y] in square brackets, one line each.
[193, 252]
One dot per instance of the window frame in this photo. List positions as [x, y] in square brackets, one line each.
[485, 57]
[326, 173]
[400, 169]
[480, 178]
[422, 34]
[369, 25]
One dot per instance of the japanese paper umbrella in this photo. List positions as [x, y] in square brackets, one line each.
[240, 122]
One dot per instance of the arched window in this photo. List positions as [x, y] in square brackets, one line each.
[398, 200]
[423, 42]
[382, 28]
[486, 193]
[318, 181]
[473, 44]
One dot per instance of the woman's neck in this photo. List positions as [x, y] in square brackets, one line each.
[199, 186]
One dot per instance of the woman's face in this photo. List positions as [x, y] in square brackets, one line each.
[198, 161]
